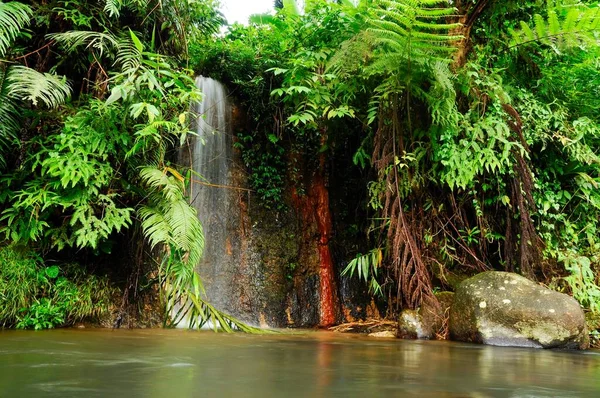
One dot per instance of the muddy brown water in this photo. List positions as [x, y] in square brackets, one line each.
[179, 363]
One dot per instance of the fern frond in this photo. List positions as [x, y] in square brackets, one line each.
[156, 228]
[171, 188]
[31, 85]
[186, 229]
[168, 218]
[112, 7]
[580, 27]
[8, 115]
[102, 42]
[129, 55]
[413, 29]
[185, 303]
[14, 16]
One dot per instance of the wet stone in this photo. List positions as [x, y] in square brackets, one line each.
[428, 321]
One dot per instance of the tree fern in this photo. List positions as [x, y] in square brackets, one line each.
[564, 27]
[411, 49]
[412, 29]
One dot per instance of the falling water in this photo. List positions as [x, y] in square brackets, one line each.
[210, 157]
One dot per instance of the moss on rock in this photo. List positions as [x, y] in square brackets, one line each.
[501, 308]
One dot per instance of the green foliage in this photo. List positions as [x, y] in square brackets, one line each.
[481, 142]
[80, 173]
[368, 268]
[38, 297]
[14, 16]
[280, 69]
[168, 218]
[19, 84]
[71, 174]
[568, 24]
[582, 281]
[264, 158]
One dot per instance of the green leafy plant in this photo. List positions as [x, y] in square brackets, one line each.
[568, 24]
[19, 84]
[41, 297]
[368, 268]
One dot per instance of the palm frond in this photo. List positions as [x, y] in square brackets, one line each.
[30, 85]
[102, 42]
[13, 17]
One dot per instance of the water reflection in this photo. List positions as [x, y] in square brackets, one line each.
[189, 364]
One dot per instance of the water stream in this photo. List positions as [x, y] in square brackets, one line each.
[179, 363]
[210, 157]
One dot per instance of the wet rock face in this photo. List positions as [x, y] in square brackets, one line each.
[501, 308]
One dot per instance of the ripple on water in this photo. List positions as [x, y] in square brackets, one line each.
[180, 365]
[64, 387]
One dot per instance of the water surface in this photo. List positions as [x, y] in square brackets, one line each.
[179, 363]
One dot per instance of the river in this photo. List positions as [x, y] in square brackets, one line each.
[180, 363]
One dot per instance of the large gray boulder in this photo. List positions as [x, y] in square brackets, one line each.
[501, 308]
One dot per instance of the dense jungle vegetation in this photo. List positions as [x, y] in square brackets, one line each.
[467, 133]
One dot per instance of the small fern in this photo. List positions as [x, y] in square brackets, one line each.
[368, 267]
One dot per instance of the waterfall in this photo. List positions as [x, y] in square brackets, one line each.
[210, 157]
[251, 253]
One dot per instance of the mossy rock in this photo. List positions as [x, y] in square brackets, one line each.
[428, 321]
[501, 308]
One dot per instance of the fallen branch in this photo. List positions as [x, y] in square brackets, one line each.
[365, 326]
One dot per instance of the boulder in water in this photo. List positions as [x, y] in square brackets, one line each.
[501, 308]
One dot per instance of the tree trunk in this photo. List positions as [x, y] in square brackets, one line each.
[469, 12]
